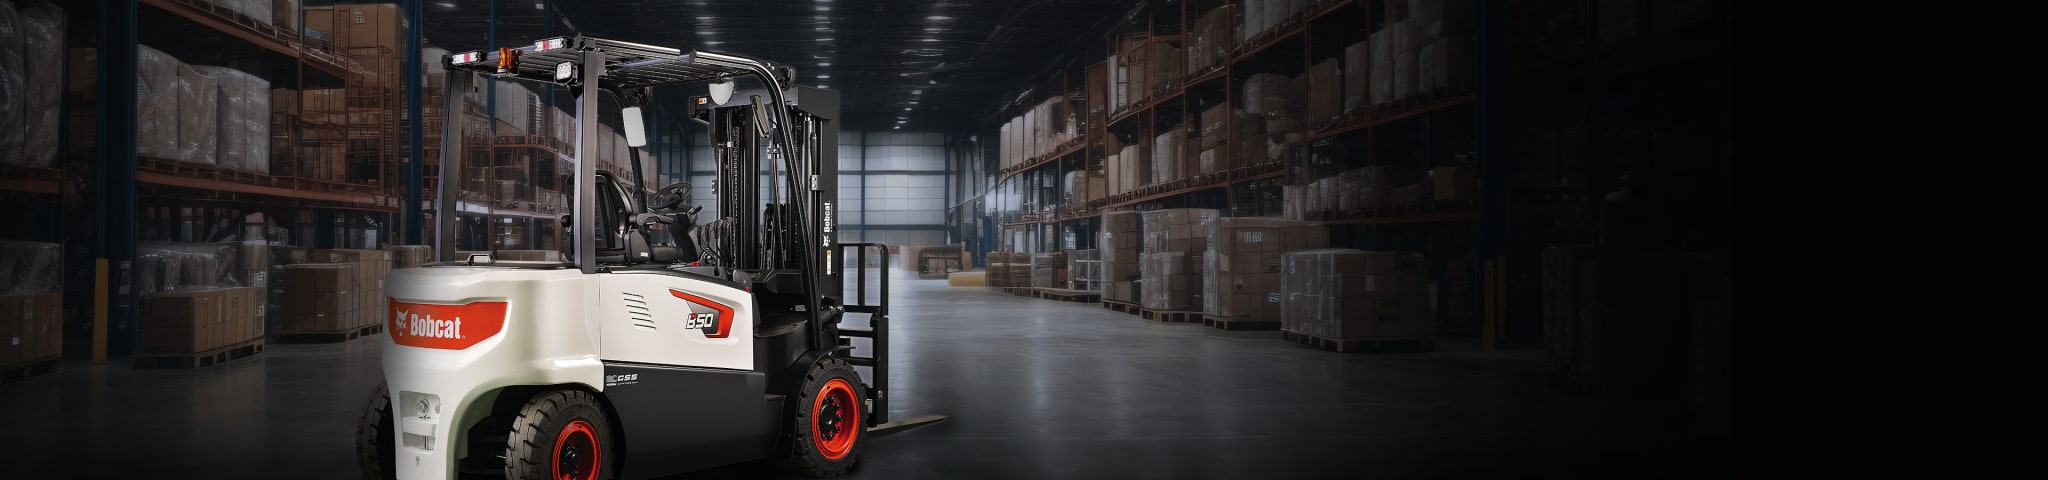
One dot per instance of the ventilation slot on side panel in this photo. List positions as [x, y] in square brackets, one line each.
[638, 313]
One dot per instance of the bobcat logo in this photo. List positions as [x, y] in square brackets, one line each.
[400, 320]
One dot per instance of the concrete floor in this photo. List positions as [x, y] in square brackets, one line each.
[1033, 388]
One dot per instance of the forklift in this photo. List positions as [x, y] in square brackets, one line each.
[654, 346]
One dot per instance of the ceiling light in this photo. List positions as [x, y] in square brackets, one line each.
[906, 109]
[826, 39]
[934, 82]
[913, 102]
[445, 4]
[713, 42]
[938, 18]
[824, 9]
[917, 92]
[823, 76]
[906, 74]
[824, 29]
[935, 29]
[820, 18]
[824, 86]
[825, 64]
[931, 39]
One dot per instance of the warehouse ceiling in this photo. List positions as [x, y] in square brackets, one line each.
[926, 66]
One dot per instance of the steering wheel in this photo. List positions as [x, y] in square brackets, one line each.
[670, 197]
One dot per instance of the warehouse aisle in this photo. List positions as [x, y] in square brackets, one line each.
[1034, 389]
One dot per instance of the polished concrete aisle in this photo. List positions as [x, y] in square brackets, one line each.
[1033, 389]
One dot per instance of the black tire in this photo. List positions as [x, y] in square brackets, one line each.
[558, 428]
[375, 453]
[832, 452]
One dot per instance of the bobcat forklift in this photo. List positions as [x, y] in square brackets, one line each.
[641, 355]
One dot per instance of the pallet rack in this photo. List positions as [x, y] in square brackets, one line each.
[1587, 52]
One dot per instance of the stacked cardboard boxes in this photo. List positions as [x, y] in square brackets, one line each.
[195, 321]
[320, 297]
[1243, 265]
[1120, 241]
[1009, 269]
[368, 284]
[1170, 258]
[409, 256]
[1353, 294]
[1049, 269]
[31, 301]
[29, 328]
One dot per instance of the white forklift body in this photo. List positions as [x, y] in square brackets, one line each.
[628, 359]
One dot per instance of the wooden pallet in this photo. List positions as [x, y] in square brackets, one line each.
[1170, 316]
[202, 359]
[21, 371]
[1362, 345]
[1239, 324]
[325, 336]
[1121, 307]
[1064, 295]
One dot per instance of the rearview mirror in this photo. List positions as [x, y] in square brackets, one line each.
[636, 129]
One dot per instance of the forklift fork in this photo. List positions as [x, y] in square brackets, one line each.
[877, 331]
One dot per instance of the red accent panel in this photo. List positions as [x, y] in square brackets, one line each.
[724, 313]
[446, 327]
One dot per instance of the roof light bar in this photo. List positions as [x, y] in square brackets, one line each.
[556, 43]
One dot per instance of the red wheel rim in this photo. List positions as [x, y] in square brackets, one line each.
[576, 454]
[835, 419]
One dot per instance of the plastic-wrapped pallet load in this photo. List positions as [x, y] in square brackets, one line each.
[1352, 294]
[13, 86]
[32, 267]
[42, 74]
[175, 266]
[244, 119]
[157, 87]
[200, 107]
[1084, 269]
[1170, 257]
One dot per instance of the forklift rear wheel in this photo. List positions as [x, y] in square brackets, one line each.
[828, 423]
[374, 451]
[561, 435]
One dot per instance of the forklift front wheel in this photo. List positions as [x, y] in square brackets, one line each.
[829, 421]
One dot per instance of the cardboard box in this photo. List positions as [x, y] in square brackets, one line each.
[369, 25]
[182, 322]
[319, 277]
